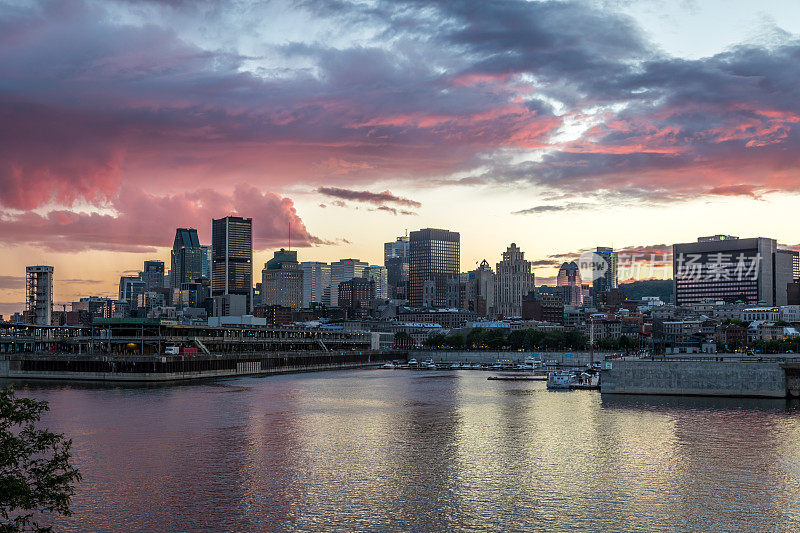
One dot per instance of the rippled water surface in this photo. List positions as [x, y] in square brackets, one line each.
[382, 450]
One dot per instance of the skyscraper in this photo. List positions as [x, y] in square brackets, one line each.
[379, 274]
[316, 278]
[569, 284]
[513, 281]
[186, 258]
[344, 270]
[434, 257]
[153, 275]
[232, 256]
[282, 280]
[605, 279]
[479, 290]
[395, 258]
[728, 268]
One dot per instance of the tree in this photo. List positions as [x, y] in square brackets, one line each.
[36, 477]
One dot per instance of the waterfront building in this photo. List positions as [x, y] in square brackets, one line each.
[153, 274]
[605, 276]
[396, 260]
[39, 295]
[316, 279]
[728, 268]
[479, 291]
[380, 275]
[514, 279]
[232, 257]
[569, 284]
[282, 280]
[186, 258]
[344, 270]
[434, 257]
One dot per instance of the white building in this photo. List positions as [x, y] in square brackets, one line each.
[344, 270]
[316, 278]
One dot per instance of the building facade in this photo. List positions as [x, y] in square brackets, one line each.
[232, 256]
[344, 270]
[479, 291]
[282, 280]
[39, 295]
[396, 260]
[153, 274]
[356, 293]
[605, 277]
[728, 268]
[380, 275]
[316, 279]
[186, 258]
[569, 284]
[513, 281]
[434, 257]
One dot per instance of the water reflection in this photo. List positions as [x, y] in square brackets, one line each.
[423, 451]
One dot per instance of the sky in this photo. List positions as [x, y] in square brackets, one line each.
[557, 125]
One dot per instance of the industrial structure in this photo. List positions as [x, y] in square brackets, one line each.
[39, 295]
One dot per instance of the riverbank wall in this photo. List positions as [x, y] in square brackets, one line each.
[566, 359]
[137, 369]
[756, 379]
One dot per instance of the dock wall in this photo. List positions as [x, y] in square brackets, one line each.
[699, 378]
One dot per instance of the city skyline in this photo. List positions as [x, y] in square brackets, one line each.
[161, 120]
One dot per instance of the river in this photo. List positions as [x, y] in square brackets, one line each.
[397, 450]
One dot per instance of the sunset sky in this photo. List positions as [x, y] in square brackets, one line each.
[556, 125]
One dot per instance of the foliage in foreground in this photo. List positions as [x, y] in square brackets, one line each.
[36, 477]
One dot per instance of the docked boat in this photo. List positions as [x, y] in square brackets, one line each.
[388, 365]
[412, 363]
[561, 379]
[589, 379]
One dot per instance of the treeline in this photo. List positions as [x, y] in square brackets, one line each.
[496, 339]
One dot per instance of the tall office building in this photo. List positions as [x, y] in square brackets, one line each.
[728, 268]
[206, 262]
[344, 270]
[282, 280]
[396, 259]
[513, 281]
[130, 287]
[569, 284]
[232, 256]
[153, 275]
[316, 278]
[434, 257]
[186, 258]
[479, 294]
[39, 295]
[605, 279]
[380, 275]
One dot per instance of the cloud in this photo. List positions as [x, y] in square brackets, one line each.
[12, 282]
[367, 196]
[550, 208]
[144, 221]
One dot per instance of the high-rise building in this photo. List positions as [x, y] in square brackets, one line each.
[728, 268]
[186, 259]
[605, 278]
[434, 257]
[380, 275]
[569, 284]
[513, 281]
[343, 270]
[232, 256]
[153, 274]
[39, 295]
[316, 278]
[206, 262]
[130, 287]
[356, 293]
[479, 292]
[282, 280]
[396, 260]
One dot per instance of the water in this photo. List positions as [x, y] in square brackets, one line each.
[383, 450]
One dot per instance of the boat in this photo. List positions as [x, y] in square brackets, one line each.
[476, 366]
[561, 379]
[412, 363]
[388, 365]
[589, 379]
[431, 366]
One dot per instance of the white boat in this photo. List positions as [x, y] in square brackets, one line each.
[476, 366]
[430, 365]
[412, 363]
[560, 380]
[388, 365]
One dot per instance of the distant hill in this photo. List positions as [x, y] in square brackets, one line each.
[657, 287]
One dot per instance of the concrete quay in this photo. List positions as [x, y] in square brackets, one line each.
[761, 377]
[567, 358]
